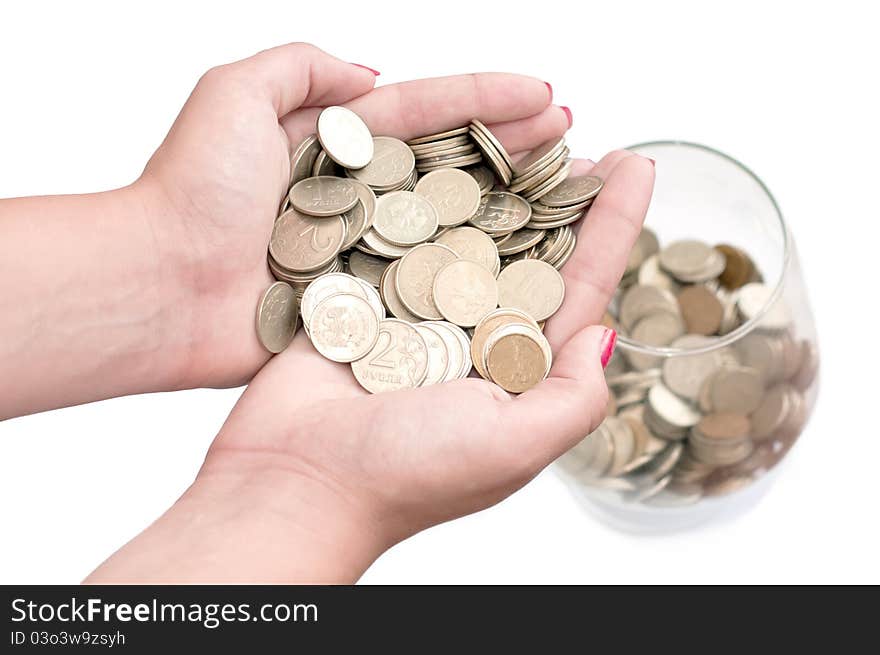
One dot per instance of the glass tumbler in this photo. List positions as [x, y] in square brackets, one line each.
[715, 371]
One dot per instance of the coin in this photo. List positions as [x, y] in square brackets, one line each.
[277, 317]
[380, 246]
[345, 137]
[501, 212]
[755, 298]
[464, 292]
[438, 354]
[671, 408]
[390, 297]
[303, 243]
[398, 360]
[538, 157]
[404, 218]
[738, 267]
[701, 309]
[573, 190]
[303, 158]
[640, 301]
[736, 389]
[686, 375]
[452, 192]
[324, 287]
[488, 324]
[519, 241]
[414, 281]
[323, 196]
[343, 327]
[691, 261]
[391, 166]
[532, 286]
[457, 354]
[473, 245]
[515, 357]
[484, 177]
[440, 135]
[367, 267]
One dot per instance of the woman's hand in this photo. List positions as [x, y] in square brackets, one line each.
[311, 478]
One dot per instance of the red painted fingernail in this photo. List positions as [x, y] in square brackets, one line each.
[550, 89]
[568, 115]
[609, 340]
[372, 70]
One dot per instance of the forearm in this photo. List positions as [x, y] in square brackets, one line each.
[232, 529]
[86, 310]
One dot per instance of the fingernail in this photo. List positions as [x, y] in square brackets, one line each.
[568, 115]
[372, 70]
[609, 339]
[550, 89]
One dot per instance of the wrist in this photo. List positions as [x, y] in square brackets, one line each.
[259, 527]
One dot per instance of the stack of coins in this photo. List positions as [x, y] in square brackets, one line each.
[391, 251]
[450, 148]
[704, 419]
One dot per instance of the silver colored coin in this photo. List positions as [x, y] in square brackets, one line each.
[539, 157]
[343, 327]
[323, 196]
[277, 317]
[671, 408]
[324, 287]
[398, 360]
[501, 212]
[381, 247]
[457, 349]
[389, 295]
[438, 136]
[392, 164]
[367, 267]
[686, 374]
[438, 354]
[640, 301]
[404, 218]
[474, 245]
[345, 137]
[303, 159]
[521, 240]
[573, 190]
[302, 243]
[454, 194]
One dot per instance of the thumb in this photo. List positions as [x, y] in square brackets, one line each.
[553, 416]
[301, 75]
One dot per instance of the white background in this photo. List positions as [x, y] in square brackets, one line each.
[89, 90]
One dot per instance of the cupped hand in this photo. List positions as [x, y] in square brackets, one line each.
[311, 477]
[215, 184]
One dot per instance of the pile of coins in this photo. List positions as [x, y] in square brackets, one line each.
[413, 262]
[704, 419]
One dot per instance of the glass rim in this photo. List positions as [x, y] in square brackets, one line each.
[751, 324]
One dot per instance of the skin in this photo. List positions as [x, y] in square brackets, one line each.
[155, 286]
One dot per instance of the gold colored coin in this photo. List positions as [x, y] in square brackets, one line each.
[515, 358]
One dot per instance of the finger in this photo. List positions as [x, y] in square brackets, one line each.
[527, 133]
[422, 107]
[553, 416]
[606, 237]
[301, 75]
